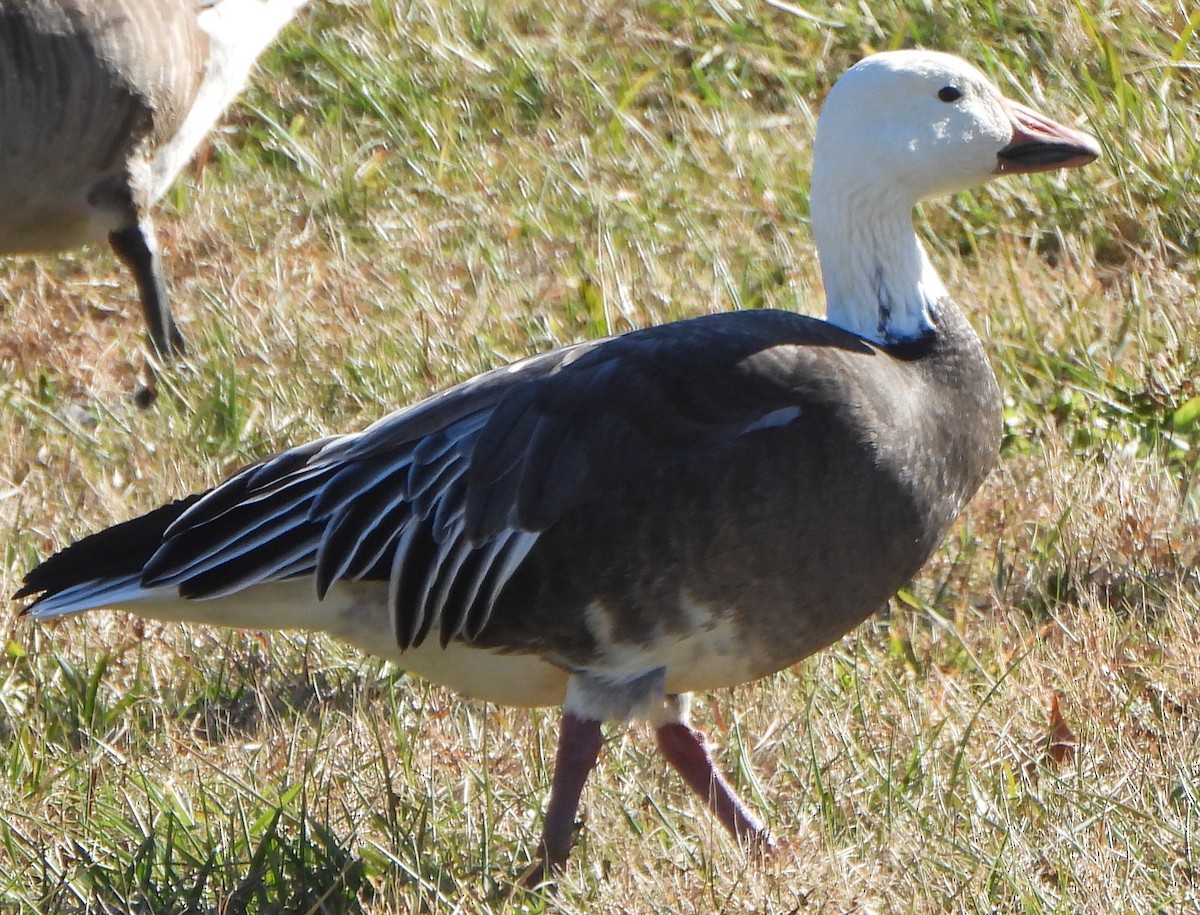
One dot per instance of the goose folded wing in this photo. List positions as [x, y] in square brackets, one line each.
[443, 500]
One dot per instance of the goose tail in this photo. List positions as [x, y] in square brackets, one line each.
[239, 31]
[103, 570]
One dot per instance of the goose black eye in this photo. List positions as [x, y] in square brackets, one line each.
[950, 94]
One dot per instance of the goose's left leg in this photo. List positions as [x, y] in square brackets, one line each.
[687, 750]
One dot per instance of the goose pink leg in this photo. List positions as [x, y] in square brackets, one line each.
[579, 745]
[685, 749]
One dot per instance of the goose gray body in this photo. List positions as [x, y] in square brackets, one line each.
[714, 499]
[613, 524]
[749, 487]
[102, 102]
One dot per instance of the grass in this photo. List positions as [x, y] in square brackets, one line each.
[412, 193]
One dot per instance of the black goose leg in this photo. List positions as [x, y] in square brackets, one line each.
[136, 247]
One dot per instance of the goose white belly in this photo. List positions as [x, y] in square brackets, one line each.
[519, 680]
[357, 613]
[709, 655]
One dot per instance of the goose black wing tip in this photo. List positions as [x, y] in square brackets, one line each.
[26, 591]
[122, 549]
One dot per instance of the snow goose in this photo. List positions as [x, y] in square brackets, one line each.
[102, 102]
[614, 524]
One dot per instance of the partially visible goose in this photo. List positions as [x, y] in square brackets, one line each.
[102, 102]
[611, 525]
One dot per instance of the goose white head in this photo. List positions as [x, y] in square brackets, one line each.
[899, 127]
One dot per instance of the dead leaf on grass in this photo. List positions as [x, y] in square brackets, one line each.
[1061, 742]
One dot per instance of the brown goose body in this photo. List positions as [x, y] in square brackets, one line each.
[613, 524]
[95, 102]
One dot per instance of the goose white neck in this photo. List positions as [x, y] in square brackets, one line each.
[879, 282]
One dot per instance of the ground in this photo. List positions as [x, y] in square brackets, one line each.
[411, 193]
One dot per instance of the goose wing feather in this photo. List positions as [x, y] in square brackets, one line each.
[445, 499]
